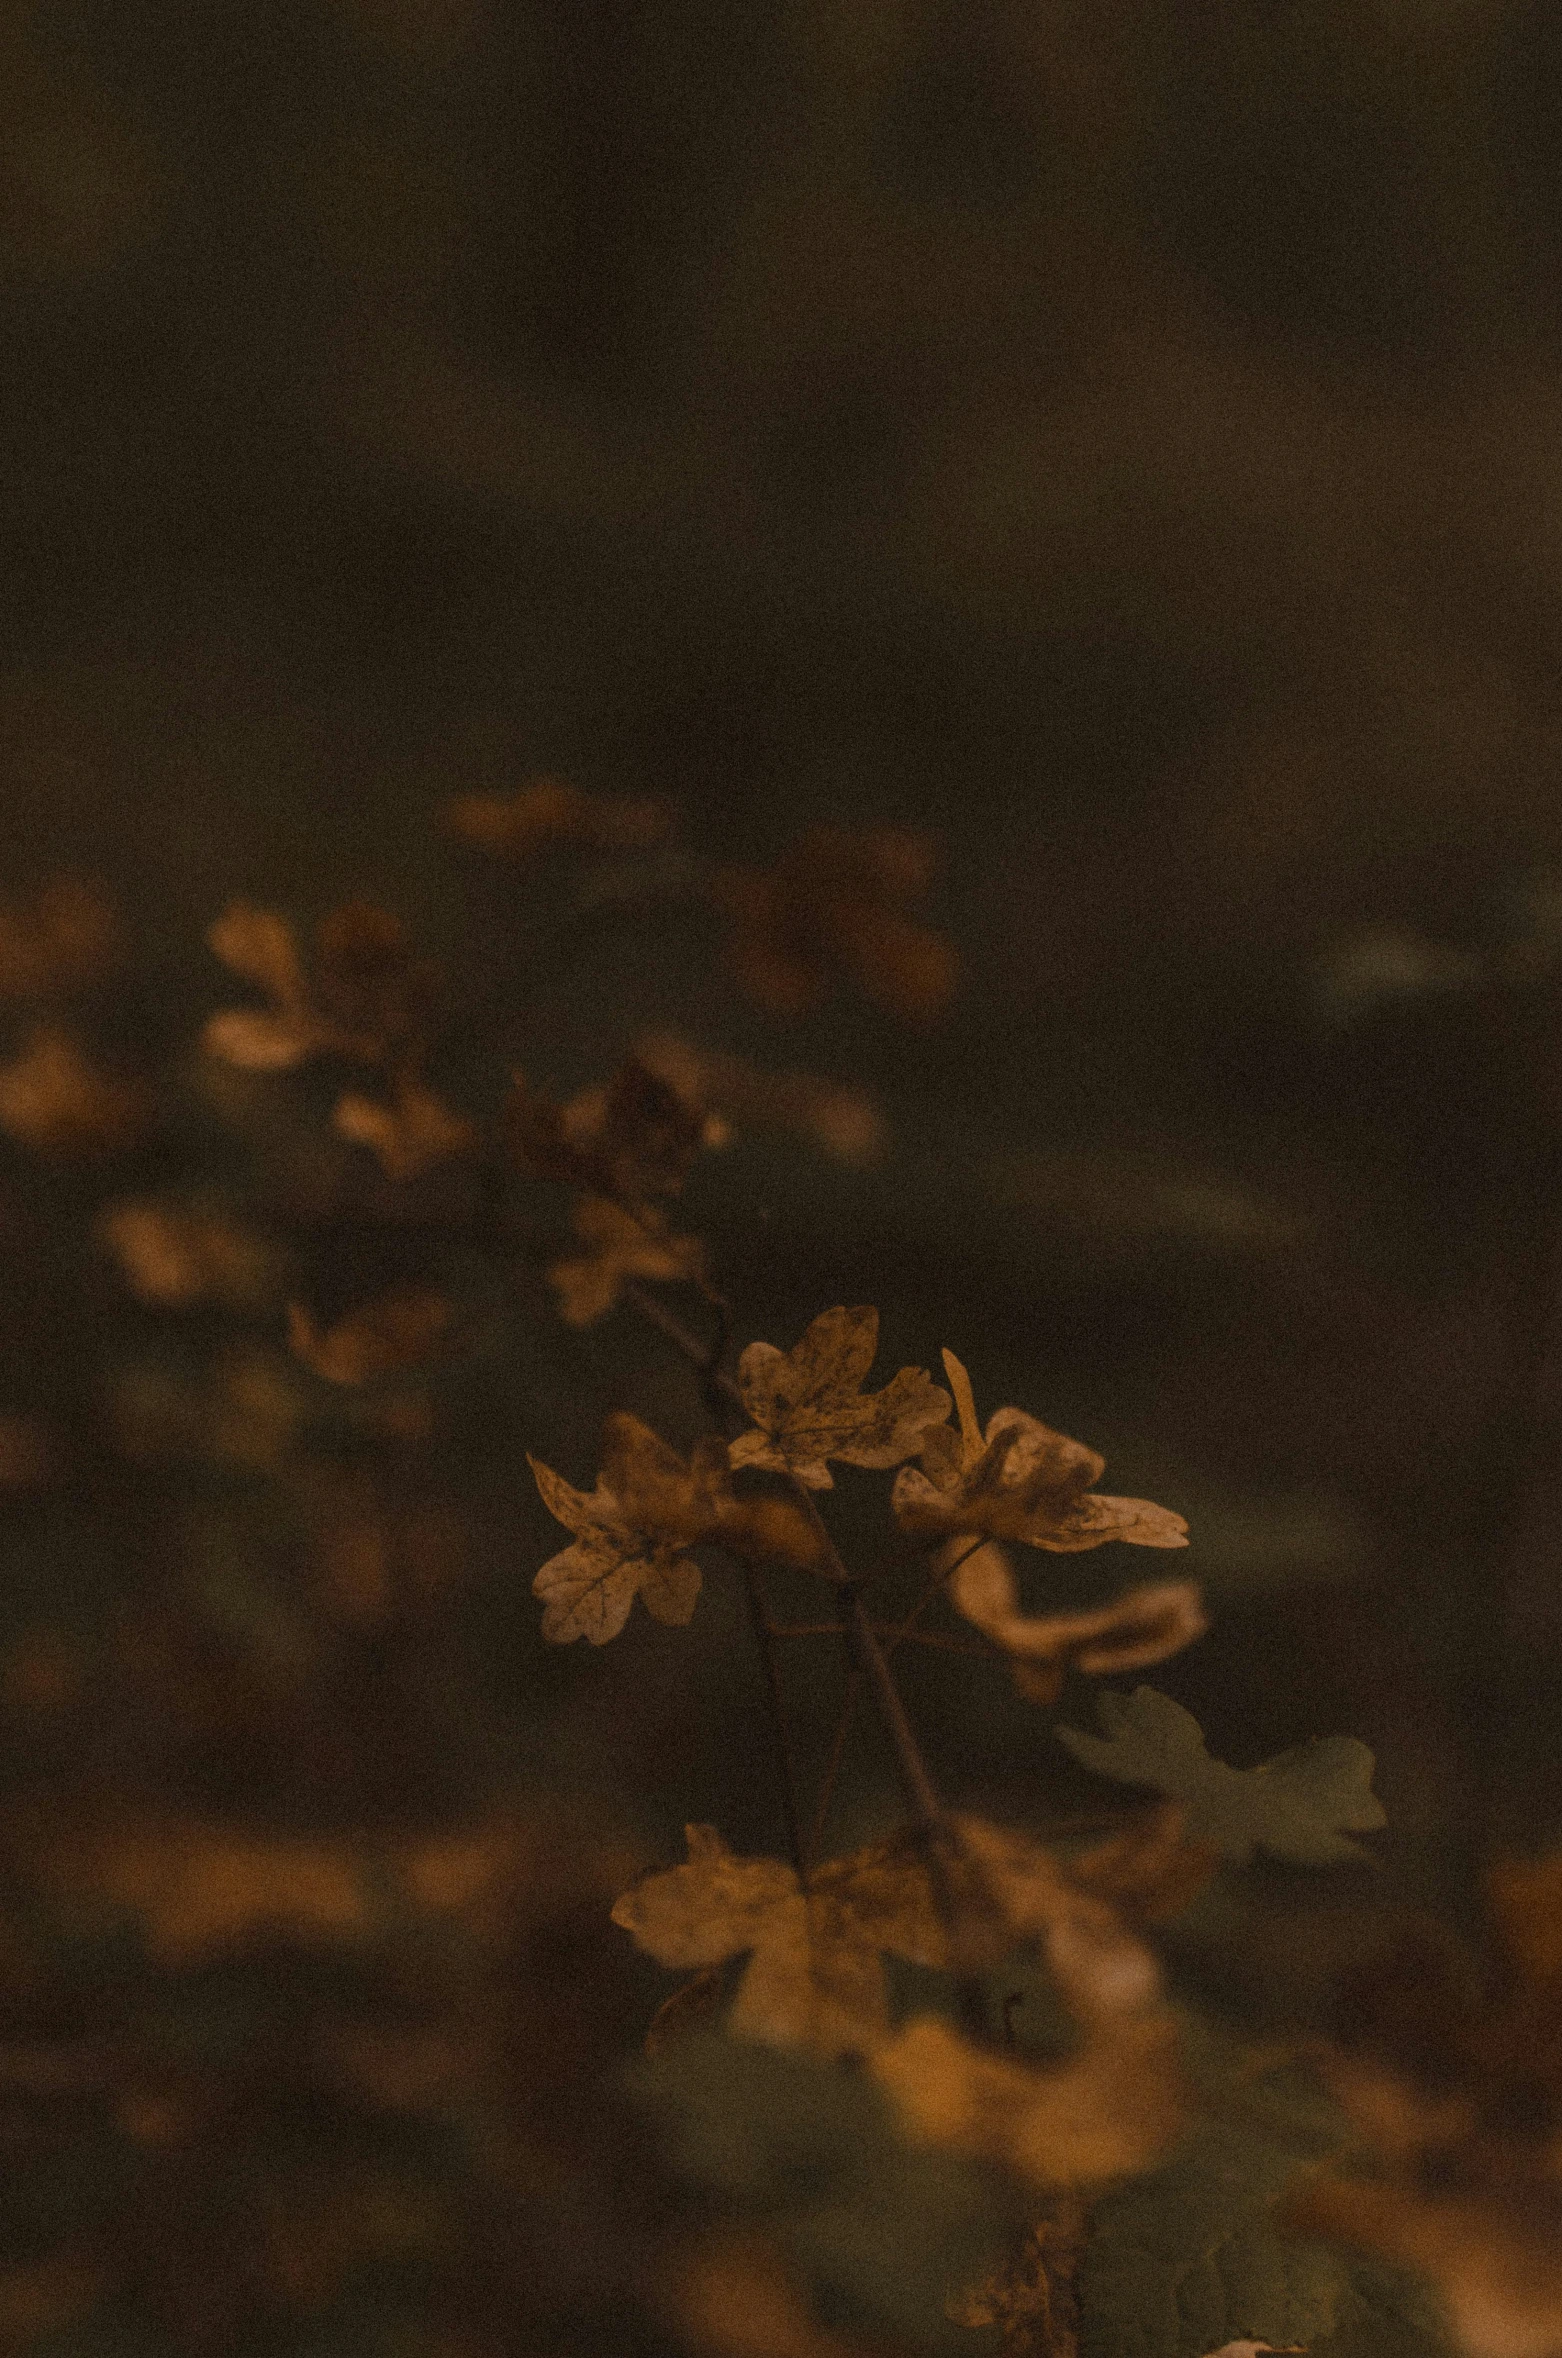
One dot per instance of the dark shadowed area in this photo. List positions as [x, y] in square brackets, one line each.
[1115, 452]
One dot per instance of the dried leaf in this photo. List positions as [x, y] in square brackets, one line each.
[809, 1405]
[1020, 1480]
[733, 2299]
[633, 1533]
[176, 1255]
[53, 1098]
[838, 900]
[1297, 1806]
[549, 811]
[384, 1337]
[1144, 1626]
[588, 1587]
[61, 939]
[416, 1130]
[370, 997]
[814, 1978]
[619, 1246]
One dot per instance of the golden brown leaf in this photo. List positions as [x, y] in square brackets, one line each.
[176, 1255]
[588, 1587]
[619, 1246]
[1146, 1625]
[370, 997]
[838, 900]
[1020, 1480]
[53, 1098]
[814, 1976]
[1456, 2102]
[384, 1337]
[549, 811]
[808, 1403]
[412, 1133]
[634, 1533]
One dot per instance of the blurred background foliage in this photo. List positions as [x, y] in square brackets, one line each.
[1123, 441]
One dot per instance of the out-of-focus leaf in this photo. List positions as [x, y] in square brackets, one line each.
[55, 1099]
[881, 2233]
[1192, 2256]
[839, 900]
[385, 1337]
[1303, 1805]
[618, 1246]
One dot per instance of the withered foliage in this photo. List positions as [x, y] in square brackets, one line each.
[1020, 1480]
[808, 1404]
[63, 938]
[56, 1099]
[839, 903]
[1455, 2093]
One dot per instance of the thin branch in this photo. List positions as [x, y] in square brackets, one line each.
[833, 1764]
[764, 1639]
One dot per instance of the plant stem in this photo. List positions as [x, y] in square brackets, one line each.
[764, 1639]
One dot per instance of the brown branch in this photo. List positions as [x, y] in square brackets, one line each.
[764, 1639]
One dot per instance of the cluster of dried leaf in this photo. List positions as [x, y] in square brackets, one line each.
[1454, 2105]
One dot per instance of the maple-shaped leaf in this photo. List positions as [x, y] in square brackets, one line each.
[633, 1533]
[1019, 1480]
[397, 1331]
[838, 900]
[814, 1977]
[1144, 1626]
[589, 1586]
[369, 997]
[412, 1133]
[809, 1405]
[1302, 1805]
[618, 1246]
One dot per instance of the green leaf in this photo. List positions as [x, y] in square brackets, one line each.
[1294, 1806]
[1182, 2261]
[882, 2232]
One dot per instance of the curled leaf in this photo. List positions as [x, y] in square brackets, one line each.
[1147, 1625]
[619, 1246]
[808, 1403]
[384, 1337]
[1020, 1480]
